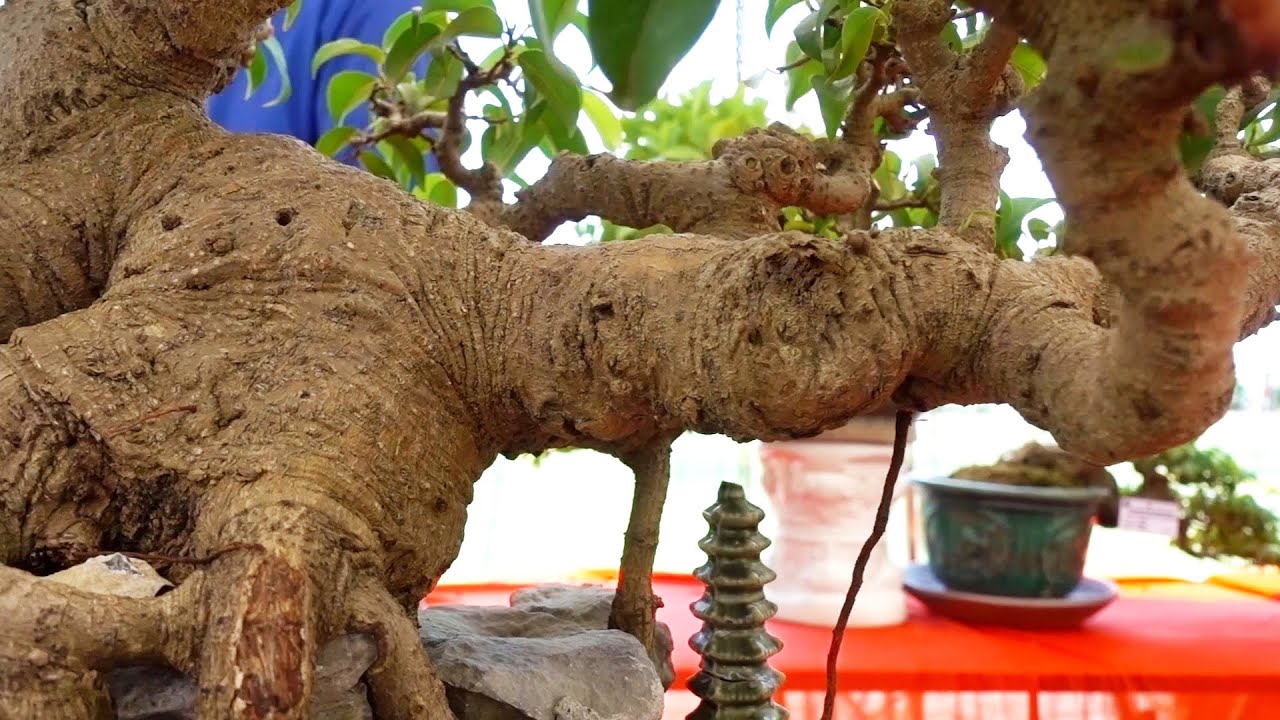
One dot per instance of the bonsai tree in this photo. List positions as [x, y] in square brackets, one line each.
[1217, 520]
[1038, 465]
[283, 375]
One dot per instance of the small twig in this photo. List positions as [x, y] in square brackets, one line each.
[901, 428]
[120, 429]
[964, 14]
[409, 127]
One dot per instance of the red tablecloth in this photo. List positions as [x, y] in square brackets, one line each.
[1156, 637]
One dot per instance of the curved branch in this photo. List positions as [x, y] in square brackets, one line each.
[964, 95]
[738, 194]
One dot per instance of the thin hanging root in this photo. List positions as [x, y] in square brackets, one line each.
[634, 604]
[402, 683]
[258, 658]
[902, 427]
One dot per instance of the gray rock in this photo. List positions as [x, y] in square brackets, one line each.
[548, 657]
[159, 693]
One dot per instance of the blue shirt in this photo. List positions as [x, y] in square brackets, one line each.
[305, 114]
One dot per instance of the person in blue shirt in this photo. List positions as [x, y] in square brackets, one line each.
[305, 115]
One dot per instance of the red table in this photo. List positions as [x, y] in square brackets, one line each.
[1205, 651]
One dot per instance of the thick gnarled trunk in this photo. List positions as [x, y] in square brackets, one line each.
[286, 375]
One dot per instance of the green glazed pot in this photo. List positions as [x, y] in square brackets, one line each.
[1007, 540]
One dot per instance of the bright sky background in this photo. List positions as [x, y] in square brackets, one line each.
[715, 57]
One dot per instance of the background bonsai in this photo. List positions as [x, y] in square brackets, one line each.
[1218, 520]
[284, 375]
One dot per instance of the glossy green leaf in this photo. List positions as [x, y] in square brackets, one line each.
[374, 163]
[775, 11]
[439, 190]
[346, 91]
[855, 39]
[335, 139]
[443, 76]
[554, 83]
[406, 153]
[1009, 220]
[407, 48]
[291, 14]
[1039, 229]
[453, 5]
[833, 101]
[398, 28]
[799, 76]
[1195, 148]
[604, 120]
[550, 17]
[475, 22]
[257, 72]
[272, 46]
[1029, 64]
[638, 42]
[345, 46]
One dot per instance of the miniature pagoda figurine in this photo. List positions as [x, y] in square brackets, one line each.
[735, 681]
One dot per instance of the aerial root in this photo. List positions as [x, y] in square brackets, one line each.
[402, 683]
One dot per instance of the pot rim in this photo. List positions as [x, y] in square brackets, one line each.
[1019, 492]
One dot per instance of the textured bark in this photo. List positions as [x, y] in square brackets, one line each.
[285, 375]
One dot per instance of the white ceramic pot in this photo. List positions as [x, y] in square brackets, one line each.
[825, 493]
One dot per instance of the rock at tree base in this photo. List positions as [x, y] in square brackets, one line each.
[549, 656]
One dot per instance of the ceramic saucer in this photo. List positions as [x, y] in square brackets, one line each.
[1089, 597]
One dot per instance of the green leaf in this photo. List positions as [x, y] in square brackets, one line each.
[347, 90]
[800, 77]
[1143, 55]
[291, 14]
[409, 155]
[476, 22]
[855, 39]
[554, 83]
[345, 46]
[808, 35]
[439, 190]
[638, 42]
[550, 17]
[406, 50]
[833, 101]
[1039, 229]
[257, 72]
[1029, 64]
[399, 27]
[604, 120]
[334, 140]
[443, 76]
[456, 5]
[1009, 219]
[272, 46]
[775, 12]
[374, 163]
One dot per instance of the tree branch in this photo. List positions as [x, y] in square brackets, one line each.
[738, 194]
[964, 94]
[1163, 372]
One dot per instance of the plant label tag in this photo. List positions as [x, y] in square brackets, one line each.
[1159, 517]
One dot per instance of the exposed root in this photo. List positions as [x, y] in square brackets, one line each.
[402, 684]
